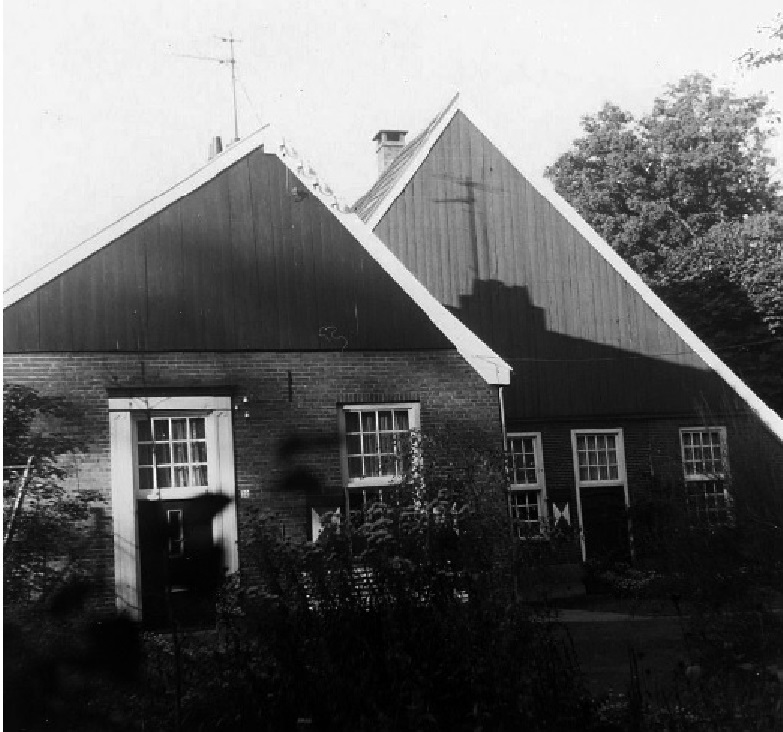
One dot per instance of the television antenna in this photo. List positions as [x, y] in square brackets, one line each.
[231, 61]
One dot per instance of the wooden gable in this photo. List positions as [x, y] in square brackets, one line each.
[581, 339]
[249, 260]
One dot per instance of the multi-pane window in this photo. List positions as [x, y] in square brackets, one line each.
[376, 441]
[704, 469]
[172, 453]
[526, 494]
[598, 457]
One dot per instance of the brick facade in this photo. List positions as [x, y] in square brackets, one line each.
[288, 393]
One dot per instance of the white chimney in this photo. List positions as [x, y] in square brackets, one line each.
[390, 144]
[215, 147]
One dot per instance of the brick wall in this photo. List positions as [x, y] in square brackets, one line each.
[287, 393]
[653, 457]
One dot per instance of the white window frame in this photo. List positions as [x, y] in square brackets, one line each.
[621, 480]
[703, 478]
[539, 487]
[414, 424]
[124, 413]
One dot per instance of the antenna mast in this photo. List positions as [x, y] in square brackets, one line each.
[231, 60]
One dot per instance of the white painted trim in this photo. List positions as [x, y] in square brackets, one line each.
[123, 413]
[491, 367]
[458, 104]
[173, 403]
[622, 479]
[540, 485]
[123, 508]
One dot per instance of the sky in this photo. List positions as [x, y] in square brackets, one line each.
[104, 108]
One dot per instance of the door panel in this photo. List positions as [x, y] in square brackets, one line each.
[605, 523]
[181, 566]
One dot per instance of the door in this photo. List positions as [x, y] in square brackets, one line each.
[605, 523]
[181, 564]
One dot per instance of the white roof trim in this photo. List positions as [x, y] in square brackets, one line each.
[122, 226]
[415, 163]
[492, 368]
[767, 415]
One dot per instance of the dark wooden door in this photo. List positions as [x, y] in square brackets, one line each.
[605, 523]
[180, 563]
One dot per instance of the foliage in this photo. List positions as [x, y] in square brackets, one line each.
[400, 617]
[754, 58]
[48, 542]
[656, 184]
[686, 195]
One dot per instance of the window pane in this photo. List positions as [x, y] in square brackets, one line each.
[199, 452]
[180, 452]
[583, 473]
[385, 421]
[200, 475]
[355, 467]
[181, 476]
[145, 435]
[197, 428]
[593, 472]
[145, 454]
[530, 476]
[161, 429]
[162, 454]
[401, 419]
[351, 421]
[164, 477]
[353, 444]
[371, 466]
[145, 479]
[370, 444]
[178, 429]
[614, 473]
[368, 421]
[389, 465]
[386, 442]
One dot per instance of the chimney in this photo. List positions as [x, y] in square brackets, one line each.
[215, 147]
[390, 144]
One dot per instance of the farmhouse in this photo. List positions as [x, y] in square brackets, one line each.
[611, 395]
[238, 330]
[246, 336]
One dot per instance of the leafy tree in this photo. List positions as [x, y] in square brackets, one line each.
[686, 195]
[46, 543]
[657, 184]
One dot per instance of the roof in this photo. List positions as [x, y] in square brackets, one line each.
[374, 204]
[483, 359]
[386, 187]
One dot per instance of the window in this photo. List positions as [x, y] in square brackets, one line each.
[172, 453]
[376, 441]
[705, 469]
[527, 493]
[598, 458]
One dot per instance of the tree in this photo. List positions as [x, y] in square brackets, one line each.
[754, 58]
[654, 185]
[686, 196]
[46, 538]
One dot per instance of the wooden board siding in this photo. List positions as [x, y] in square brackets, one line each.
[493, 250]
[242, 263]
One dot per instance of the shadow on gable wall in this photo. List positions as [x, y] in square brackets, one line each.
[558, 375]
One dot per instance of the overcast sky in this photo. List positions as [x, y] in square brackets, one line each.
[101, 114]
